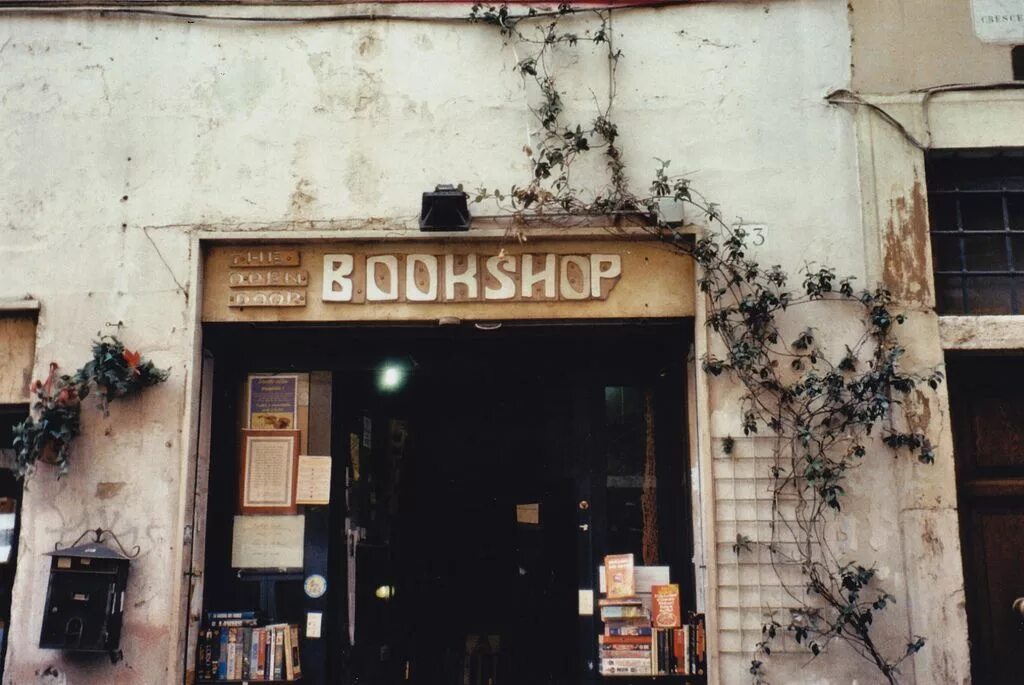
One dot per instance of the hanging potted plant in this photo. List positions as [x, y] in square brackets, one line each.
[46, 435]
[117, 372]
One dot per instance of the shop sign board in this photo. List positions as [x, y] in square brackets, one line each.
[469, 277]
[421, 280]
[999, 21]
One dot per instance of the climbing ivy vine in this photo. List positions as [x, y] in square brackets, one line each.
[825, 413]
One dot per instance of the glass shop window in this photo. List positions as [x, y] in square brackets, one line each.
[976, 207]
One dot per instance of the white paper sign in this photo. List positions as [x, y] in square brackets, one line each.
[314, 620]
[999, 21]
[646, 576]
[314, 480]
[268, 542]
[586, 602]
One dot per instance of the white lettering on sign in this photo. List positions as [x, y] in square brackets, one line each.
[254, 258]
[267, 298]
[999, 21]
[338, 277]
[466, 277]
[469, 277]
[545, 276]
[263, 278]
[382, 278]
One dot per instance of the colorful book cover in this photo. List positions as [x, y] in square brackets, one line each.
[279, 652]
[261, 653]
[618, 569]
[232, 653]
[626, 629]
[623, 612]
[296, 660]
[271, 653]
[679, 649]
[254, 654]
[289, 665]
[222, 655]
[666, 612]
[620, 601]
[624, 640]
[246, 653]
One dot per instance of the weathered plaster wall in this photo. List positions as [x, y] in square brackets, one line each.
[121, 139]
[903, 45]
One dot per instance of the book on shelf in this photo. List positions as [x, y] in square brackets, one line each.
[618, 570]
[628, 630]
[665, 611]
[626, 666]
[646, 633]
[250, 653]
[625, 612]
[630, 601]
[604, 640]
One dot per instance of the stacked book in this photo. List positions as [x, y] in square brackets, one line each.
[234, 646]
[626, 645]
[644, 631]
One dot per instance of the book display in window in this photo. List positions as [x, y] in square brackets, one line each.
[646, 634]
[233, 646]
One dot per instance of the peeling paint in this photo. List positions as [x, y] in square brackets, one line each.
[906, 268]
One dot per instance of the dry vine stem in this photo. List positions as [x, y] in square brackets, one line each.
[825, 417]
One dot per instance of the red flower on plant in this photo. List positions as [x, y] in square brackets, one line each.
[133, 359]
[47, 386]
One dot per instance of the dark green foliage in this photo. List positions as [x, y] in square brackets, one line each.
[116, 372]
[559, 144]
[742, 544]
[822, 415]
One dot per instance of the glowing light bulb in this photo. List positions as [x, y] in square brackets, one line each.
[391, 377]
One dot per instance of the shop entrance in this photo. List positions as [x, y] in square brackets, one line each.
[479, 477]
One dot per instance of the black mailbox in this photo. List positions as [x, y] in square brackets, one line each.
[85, 599]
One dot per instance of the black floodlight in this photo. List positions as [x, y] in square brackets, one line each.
[444, 209]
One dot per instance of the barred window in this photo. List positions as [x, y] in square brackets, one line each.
[976, 206]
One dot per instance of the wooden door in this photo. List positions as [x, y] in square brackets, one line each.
[987, 398]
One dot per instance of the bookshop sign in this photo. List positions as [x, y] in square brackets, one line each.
[422, 281]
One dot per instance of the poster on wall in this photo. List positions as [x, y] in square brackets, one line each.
[273, 401]
[269, 462]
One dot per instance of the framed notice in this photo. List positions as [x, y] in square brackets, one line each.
[269, 463]
[273, 401]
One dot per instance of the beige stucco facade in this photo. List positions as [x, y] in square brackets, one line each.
[132, 146]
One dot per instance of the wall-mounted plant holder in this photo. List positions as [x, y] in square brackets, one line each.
[85, 595]
[670, 211]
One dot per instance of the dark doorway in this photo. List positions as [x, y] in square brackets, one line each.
[988, 427]
[483, 476]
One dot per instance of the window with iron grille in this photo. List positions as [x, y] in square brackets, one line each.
[976, 206]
